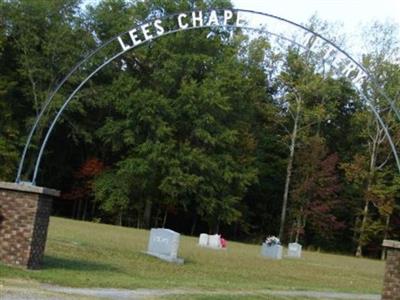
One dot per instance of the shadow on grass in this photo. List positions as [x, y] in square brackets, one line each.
[53, 262]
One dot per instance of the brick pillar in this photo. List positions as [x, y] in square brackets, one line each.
[391, 284]
[24, 219]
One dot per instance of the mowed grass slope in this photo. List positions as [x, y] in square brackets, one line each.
[86, 254]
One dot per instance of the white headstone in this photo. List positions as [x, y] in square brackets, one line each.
[164, 244]
[203, 240]
[294, 250]
[271, 251]
[214, 241]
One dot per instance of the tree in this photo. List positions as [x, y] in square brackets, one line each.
[181, 124]
[43, 40]
[82, 192]
[377, 156]
[315, 192]
[304, 102]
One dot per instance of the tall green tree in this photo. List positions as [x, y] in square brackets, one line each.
[42, 41]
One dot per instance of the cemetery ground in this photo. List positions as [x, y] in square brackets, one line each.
[89, 255]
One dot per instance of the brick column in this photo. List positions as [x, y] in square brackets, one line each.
[391, 284]
[24, 219]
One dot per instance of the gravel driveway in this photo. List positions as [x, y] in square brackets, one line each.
[25, 290]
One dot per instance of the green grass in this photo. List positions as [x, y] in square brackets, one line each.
[84, 254]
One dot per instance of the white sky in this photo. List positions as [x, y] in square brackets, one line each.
[351, 15]
[349, 12]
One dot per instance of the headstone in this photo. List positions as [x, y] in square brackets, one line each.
[164, 244]
[271, 251]
[294, 250]
[214, 241]
[203, 240]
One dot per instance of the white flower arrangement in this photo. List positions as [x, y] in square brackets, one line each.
[272, 241]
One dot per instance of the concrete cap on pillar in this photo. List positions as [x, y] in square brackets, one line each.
[391, 244]
[28, 188]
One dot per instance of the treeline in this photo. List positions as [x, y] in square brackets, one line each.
[203, 132]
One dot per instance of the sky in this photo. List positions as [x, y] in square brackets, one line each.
[350, 14]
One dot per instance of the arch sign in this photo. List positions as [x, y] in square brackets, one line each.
[281, 33]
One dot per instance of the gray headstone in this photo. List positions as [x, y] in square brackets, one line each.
[294, 250]
[164, 244]
[271, 251]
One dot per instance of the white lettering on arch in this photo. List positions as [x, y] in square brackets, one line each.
[213, 20]
[227, 16]
[180, 21]
[197, 19]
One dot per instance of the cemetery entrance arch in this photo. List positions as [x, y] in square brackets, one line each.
[281, 32]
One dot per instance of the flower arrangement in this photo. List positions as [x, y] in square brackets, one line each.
[272, 241]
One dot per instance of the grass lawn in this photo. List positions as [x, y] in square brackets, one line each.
[83, 254]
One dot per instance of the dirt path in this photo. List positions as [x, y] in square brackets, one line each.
[25, 290]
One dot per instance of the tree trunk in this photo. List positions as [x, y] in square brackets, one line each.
[385, 235]
[74, 209]
[292, 230]
[157, 216]
[356, 222]
[217, 227]
[301, 225]
[138, 223]
[93, 211]
[236, 230]
[79, 210]
[165, 218]
[289, 169]
[85, 208]
[296, 240]
[194, 224]
[119, 220]
[372, 166]
[362, 229]
[147, 213]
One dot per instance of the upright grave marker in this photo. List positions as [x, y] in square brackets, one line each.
[212, 241]
[164, 244]
[203, 240]
[273, 252]
[294, 250]
[272, 248]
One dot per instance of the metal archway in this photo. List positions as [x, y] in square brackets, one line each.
[340, 62]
